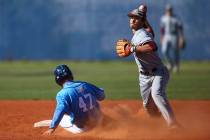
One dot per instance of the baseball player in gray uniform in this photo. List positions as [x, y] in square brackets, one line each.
[171, 38]
[153, 75]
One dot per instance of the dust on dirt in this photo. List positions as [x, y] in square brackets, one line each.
[123, 119]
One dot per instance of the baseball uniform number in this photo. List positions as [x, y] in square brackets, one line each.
[85, 101]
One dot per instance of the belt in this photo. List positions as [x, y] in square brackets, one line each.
[148, 73]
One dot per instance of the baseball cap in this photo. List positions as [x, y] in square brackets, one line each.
[136, 13]
[169, 7]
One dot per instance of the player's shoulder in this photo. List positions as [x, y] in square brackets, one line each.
[73, 84]
[164, 18]
[142, 33]
[68, 87]
[141, 36]
[81, 85]
[61, 94]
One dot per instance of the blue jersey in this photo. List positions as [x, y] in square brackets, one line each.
[79, 100]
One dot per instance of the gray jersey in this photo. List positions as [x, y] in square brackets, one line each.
[152, 87]
[145, 61]
[170, 25]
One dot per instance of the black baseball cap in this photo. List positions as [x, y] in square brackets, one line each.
[136, 13]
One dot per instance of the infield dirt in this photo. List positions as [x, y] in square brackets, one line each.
[124, 120]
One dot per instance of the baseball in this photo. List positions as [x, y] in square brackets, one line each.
[143, 8]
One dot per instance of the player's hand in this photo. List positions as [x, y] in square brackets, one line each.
[143, 9]
[49, 132]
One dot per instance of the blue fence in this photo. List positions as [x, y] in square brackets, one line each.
[88, 29]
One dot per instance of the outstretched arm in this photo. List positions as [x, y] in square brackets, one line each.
[58, 114]
[181, 33]
[146, 48]
[143, 9]
[182, 43]
[148, 28]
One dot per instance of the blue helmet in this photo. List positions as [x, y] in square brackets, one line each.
[62, 73]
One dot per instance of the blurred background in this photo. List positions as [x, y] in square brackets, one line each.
[88, 29]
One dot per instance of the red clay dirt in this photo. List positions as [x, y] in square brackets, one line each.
[124, 120]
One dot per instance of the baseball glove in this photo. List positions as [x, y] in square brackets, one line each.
[123, 48]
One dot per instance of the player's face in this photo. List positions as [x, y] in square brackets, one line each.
[169, 12]
[136, 23]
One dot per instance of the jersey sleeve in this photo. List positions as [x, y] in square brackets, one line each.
[145, 37]
[141, 37]
[59, 111]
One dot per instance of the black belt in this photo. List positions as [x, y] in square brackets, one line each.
[147, 73]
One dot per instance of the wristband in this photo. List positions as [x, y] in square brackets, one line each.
[133, 48]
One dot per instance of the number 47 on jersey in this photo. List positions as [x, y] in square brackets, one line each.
[86, 102]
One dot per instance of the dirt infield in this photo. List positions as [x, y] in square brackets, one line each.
[124, 120]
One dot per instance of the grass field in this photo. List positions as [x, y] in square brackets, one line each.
[34, 80]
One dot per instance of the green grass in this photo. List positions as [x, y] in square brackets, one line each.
[192, 83]
[34, 80]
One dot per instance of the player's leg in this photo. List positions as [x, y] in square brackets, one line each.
[151, 108]
[148, 103]
[176, 57]
[166, 50]
[177, 60]
[159, 96]
[67, 125]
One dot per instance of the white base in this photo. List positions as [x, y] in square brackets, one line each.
[44, 123]
[65, 123]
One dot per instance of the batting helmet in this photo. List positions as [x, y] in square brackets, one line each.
[62, 73]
